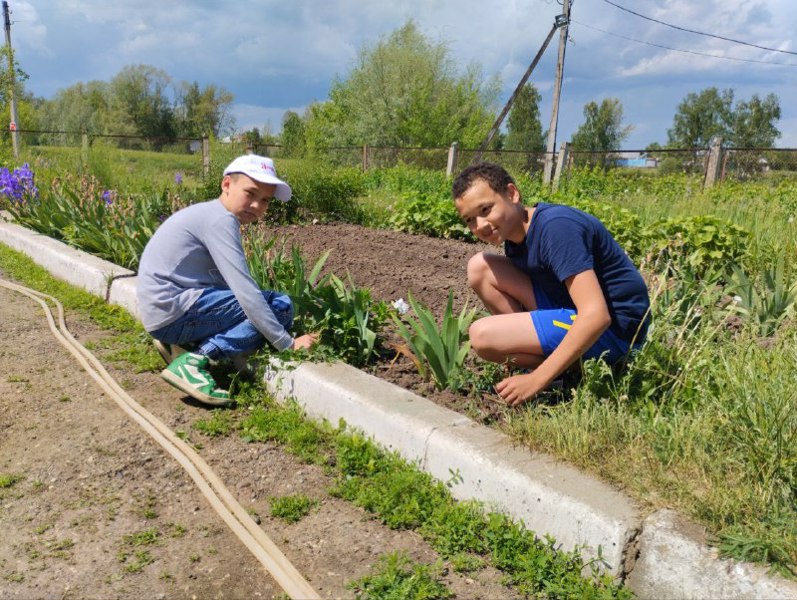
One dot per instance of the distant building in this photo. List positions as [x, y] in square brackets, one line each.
[643, 161]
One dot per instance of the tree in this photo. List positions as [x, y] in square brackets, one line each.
[293, 140]
[753, 123]
[701, 117]
[524, 130]
[80, 107]
[602, 129]
[711, 113]
[140, 104]
[404, 91]
[202, 112]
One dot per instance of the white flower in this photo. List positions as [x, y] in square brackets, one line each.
[737, 300]
[791, 219]
[401, 306]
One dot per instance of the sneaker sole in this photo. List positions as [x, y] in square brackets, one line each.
[168, 352]
[166, 355]
[194, 393]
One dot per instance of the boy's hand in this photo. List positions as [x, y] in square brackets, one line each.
[518, 389]
[305, 342]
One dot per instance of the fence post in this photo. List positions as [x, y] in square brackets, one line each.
[206, 156]
[714, 163]
[561, 163]
[365, 157]
[453, 156]
[84, 147]
[547, 170]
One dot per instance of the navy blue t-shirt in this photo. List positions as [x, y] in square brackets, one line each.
[563, 241]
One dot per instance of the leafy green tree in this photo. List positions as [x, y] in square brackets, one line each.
[201, 112]
[293, 140]
[711, 113]
[602, 129]
[404, 91]
[140, 104]
[80, 107]
[753, 124]
[524, 130]
[701, 117]
[252, 137]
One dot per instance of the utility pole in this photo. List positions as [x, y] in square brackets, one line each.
[562, 21]
[494, 129]
[12, 101]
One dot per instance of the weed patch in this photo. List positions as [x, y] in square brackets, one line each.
[291, 509]
[396, 577]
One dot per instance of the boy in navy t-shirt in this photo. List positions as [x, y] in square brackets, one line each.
[564, 290]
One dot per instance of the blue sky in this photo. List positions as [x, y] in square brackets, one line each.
[278, 55]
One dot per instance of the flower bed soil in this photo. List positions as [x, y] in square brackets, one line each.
[392, 265]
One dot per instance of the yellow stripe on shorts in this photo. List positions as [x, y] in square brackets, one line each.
[564, 325]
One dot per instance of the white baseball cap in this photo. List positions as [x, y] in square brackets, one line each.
[260, 168]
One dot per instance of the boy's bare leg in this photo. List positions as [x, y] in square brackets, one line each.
[501, 285]
[502, 338]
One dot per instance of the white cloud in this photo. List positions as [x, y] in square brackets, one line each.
[271, 54]
[27, 30]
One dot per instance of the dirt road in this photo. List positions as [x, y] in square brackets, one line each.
[91, 507]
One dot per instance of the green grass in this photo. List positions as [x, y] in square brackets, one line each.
[396, 577]
[220, 424]
[7, 480]
[134, 171]
[129, 344]
[293, 508]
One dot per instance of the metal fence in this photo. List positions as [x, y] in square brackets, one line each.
[715, 163]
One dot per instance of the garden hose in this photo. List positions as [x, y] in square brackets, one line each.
[214, 490]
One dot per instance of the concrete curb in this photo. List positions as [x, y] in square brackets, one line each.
[675, 562]
[550, 497]
[662, 556]
[79, 268]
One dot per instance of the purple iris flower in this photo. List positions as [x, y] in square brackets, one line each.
[18, 185]
[178, 178]
[107, 195]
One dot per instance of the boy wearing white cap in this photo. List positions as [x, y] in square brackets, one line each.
[195, 289]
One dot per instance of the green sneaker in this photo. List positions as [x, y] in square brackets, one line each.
[189, 373]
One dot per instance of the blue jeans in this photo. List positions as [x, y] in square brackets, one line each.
[217, 325]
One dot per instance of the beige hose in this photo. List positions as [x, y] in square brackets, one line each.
[220, 498]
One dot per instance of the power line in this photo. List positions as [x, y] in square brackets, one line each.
[765, 62]
[719, 37]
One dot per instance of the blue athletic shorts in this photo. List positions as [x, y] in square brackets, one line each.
[551, 325]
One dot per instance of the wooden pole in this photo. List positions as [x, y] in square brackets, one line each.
[452, 160]
[206, 156]
[550, 147]
[478, 156]
[714, 163]
[12, 82]
[561, 163]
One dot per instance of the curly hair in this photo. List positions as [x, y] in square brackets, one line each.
[494, 175]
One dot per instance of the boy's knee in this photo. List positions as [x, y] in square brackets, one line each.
[477, 269]
[478, 334]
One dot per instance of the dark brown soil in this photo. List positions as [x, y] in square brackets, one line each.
[394, 265]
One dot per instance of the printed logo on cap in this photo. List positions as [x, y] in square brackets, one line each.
[268, 167]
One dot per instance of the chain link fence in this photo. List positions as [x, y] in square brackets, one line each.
[722, 163]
